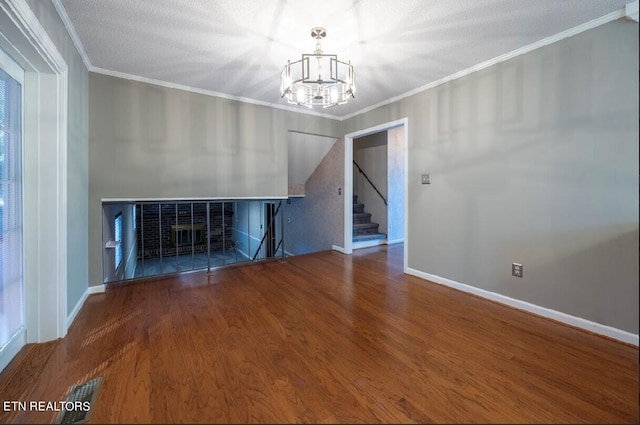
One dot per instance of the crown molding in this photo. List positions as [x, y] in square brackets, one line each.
[87, 63]
[72, 33]
[182, 87]
[630, 12]
[22, 15]
[502, 58]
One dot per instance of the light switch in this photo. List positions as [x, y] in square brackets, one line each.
[426, 179]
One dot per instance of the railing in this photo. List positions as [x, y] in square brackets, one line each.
[370, 182]
[270, 232]
[167, 236]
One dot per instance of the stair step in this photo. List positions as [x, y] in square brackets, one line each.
[371, 237]
[365, 229]
[358, 208]
[360, 218]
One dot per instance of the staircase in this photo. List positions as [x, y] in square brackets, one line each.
[363, 229]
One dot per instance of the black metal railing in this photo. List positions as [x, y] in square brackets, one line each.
[270, 231]
[370, 182]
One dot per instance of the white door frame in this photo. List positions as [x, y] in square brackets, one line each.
[348, 181]
[45, 169]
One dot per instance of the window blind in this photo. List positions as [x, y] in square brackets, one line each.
[11, 253]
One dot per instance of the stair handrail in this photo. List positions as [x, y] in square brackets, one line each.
[266, 232]
[370, 182]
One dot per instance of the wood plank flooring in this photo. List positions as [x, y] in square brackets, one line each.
[329, 338]
[21, 375]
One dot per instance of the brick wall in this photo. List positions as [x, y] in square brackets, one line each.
[154, 221]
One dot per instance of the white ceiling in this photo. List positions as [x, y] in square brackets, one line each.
[238, 47]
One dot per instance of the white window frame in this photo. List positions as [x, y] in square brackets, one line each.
[19, 339]
[45, 169]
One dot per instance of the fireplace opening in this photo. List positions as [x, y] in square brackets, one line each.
[187, 234]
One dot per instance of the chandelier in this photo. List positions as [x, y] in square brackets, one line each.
[318, 79]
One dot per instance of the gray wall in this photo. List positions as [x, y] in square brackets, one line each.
[305, 151]
[316, 222]
[147, 141]
[534, 160]
[370, 152]
[77, 151]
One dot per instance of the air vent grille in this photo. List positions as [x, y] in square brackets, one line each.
[79, 403]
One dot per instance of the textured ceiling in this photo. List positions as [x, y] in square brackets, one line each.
[238, 47]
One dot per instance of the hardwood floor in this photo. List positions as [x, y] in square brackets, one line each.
[328, 338]
[22, 373]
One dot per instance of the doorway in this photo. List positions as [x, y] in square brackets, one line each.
[400, 172]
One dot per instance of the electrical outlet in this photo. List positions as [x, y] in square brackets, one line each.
[517, 269]
[426, 179]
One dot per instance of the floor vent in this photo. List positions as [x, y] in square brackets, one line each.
[79, 404]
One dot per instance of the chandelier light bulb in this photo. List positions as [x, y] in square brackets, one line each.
[300, 96]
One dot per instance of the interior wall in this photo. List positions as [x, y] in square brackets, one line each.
[370, 152]
[130, 251]
[305, 151]
[533, 160]
[241, 228]
[77, 151]
[248, 226]
[315, 222]
[395, 187]
[150, 142]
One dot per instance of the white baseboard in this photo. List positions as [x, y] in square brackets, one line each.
[11, 348]
[578, 322]
[339, 249]
[369, 244]
[394, 241]
[246, 254]
[98, 289]
[243, 254]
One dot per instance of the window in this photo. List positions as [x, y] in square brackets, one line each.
[11, 253]
[117, 226]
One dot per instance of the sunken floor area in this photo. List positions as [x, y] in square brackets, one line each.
[325, 338]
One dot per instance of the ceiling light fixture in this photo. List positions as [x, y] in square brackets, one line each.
[318, 79]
